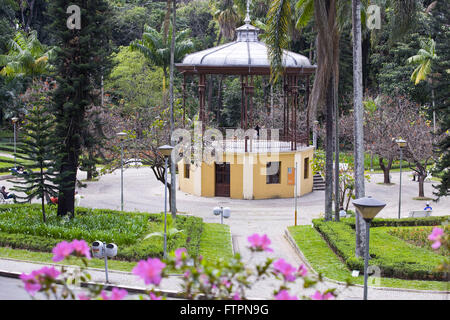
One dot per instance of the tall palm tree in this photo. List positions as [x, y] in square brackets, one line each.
[26, 57]
[155, 46]
[324, 91]
[227, 17]
[424, 60]
[163, 49]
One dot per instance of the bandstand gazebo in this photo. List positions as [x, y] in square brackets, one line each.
[243, 177]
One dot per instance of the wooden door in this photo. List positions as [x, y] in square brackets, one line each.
[223, 180]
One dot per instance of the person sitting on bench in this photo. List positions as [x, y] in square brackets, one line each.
[7, 195]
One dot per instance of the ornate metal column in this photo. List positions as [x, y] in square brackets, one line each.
[201, 92]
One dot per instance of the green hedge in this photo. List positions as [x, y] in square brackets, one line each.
[395, 258]
[404, 222]
[21, 226]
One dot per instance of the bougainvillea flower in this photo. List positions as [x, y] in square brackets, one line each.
[320, 296]
[284, 295]
[436, 234]
[82, 296]
[31, 283]
[81, 248]
[154, 297]
[150, 270]
[116, 294]
[62, 250]
[302, 271]
[180, 254]
[285, 269]
[236, 296]
[259, 243]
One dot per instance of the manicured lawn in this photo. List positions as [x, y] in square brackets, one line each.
[215, 242]
[23, 236]
[325, 261]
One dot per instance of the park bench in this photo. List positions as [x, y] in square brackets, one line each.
[420, 213]
[5, 201]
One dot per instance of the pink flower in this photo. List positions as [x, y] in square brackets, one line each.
[320, 296]
[436, 236]
[225, 282]
[116, 294]
[81, 247]
[285, 269]
[180, 254]
[61, 251]
[32, 285]
[302, 271]
[33, 281]
[154, 297]
[236, 296]
[284, 295]
[259, 243]
[150, 270]
[82, 296]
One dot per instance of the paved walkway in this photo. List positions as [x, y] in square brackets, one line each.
[142, 192]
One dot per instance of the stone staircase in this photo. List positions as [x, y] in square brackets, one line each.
[318, 183]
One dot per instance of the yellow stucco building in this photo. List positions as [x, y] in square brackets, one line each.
[250, 175]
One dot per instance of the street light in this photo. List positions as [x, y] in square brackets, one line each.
[166, 151]
[401, 144]
[121, 136]
[14, 121]
[368, 208]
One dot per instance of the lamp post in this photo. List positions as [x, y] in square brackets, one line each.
[121, 136]
[368, 208]
[166, 151]
[401, 144]
[14, 121]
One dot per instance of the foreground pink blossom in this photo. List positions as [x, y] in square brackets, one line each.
[259, 243]
[320, 296]
[33, 281]
[285, 269]
[154, 297]
[65, 249]
[61, 251]
[302, 271]
[284, 295]
[116, 294]
[81, 248]
[180, 254]
[435, 236]
[150, 270]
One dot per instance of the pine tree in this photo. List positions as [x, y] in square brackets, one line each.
[37, 147]
[81, 59]
[441, 85]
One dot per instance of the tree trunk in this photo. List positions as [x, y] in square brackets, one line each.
[173, 175]
[421, 179]
[329, 152]
[386, 169]
[66, 197]
[358, 124]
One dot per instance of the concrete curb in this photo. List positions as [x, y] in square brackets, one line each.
[302, 257]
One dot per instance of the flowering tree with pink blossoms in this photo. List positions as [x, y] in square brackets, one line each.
[200, 278]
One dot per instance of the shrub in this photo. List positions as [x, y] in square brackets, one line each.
[393, 256]
[21, 227]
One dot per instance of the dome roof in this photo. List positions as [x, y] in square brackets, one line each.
[247, 51]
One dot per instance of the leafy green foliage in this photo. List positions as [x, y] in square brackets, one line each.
[126, 229]
[393, 256]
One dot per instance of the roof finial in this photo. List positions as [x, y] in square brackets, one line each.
[247, 17]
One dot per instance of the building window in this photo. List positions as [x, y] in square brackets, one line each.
[306, 168]
[187, 170]
[273, 172]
